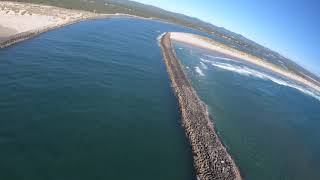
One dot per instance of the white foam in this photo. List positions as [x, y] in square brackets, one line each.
[160, 36]
[222, 58]
[205, 60]
[199, 71]
[203, 65]
[246, 71]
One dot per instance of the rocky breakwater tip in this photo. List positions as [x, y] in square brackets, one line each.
[211, 159]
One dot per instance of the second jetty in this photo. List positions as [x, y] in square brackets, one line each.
[211, 159]
[21, 21]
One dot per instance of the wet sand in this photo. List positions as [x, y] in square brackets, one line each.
[211, 159]
[6, 32]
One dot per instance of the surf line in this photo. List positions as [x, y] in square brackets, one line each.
[211, 159]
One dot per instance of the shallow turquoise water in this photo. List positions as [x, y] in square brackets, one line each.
[270, 126]
[91, 101]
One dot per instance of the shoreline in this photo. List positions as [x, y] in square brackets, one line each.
[211, 158]
[27, 20]
[14, 39]
[210, 44]
[76, 17]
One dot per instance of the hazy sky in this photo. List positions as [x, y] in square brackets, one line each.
[290, 27]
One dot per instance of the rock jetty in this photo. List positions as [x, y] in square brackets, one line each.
[8, 41]
[211, 159]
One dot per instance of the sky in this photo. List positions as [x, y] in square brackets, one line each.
[290, 27]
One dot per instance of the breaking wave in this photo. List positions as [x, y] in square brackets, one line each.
[160, 37]
[199, 71]
[204, 66]
[246, 71]
[221, 58]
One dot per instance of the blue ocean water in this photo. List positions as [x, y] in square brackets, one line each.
[269, 123]
[91, 101]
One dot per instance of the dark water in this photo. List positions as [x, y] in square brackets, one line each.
[269, 124]
[91, 101]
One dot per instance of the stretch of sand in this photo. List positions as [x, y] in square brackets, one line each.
[5, 32]
[21, 21]
[22, 18]
[206, 43]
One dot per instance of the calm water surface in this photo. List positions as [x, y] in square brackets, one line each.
[91, 101]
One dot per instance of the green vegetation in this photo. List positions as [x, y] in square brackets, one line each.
[220, 34]
[126, 7]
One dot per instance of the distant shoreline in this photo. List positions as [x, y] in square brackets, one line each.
[19, 12]
[210, 44]
[19, 37]
[22, 21]
[8, 41]
[211, 159]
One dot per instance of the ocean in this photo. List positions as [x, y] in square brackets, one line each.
[268, 123]
[93, 101]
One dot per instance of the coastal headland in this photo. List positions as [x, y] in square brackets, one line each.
[211, 159]
[210, 44]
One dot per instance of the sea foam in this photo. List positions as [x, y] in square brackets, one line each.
[204, 66]
[220, 58]
[246, 71]
[199, 71]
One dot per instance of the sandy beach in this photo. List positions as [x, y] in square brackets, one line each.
[5, 32]
[206, 43]
[20, 21]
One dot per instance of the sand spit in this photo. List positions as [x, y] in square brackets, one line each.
[210, 44]
[20, 21]
[211, 159]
